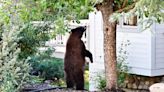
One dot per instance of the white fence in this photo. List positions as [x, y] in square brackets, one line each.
[96, 47]
[59, 42]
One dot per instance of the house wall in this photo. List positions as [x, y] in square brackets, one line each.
[139, 58]
[159, 41]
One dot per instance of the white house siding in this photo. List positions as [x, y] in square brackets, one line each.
[159, 46]
[139, 50]
[139, 57]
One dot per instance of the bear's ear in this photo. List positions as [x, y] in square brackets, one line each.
[73, 30]
[80, 28]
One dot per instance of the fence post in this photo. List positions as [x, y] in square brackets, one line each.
[96, 47]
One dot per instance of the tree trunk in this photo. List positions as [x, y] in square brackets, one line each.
[109, 44]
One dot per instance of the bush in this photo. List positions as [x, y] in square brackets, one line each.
[122, 67]
[86, 77]
[47, 67]
[50, 69]
[32, 37]
[87, 66]
[13, 72]
[101, 82]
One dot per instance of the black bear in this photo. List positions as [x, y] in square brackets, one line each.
[74, 59]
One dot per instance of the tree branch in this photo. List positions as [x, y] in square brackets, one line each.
[129, 7]
[124, 3]
[98, 6]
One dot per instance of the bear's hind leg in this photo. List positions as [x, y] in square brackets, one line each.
[69, 81]
[79, 80]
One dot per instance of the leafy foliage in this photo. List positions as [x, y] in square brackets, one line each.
[51, 69]
[53, 11]
[32, 38]
[101, 82]
[119, 4]
[122, 67]
[149, 11]
[67, 9]
[86, 77]
[152, 9]
[46, 66]
[13, 72]
[58, 12]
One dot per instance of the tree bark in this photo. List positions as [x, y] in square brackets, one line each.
[109, 44]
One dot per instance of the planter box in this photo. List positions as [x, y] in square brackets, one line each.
[146, 49]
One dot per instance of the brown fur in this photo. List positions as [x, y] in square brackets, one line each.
[74, 60]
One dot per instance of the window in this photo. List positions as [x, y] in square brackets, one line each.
[130, 21]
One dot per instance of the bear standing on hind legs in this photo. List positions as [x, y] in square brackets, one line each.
[74, 59]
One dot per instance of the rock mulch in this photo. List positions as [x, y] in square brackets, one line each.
[44, 87]
[141, 82]
[63, 90]
[48, 88]
[135, 90]
[36, 87]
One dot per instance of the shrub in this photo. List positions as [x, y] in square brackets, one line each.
[87, 66]
[13, 72]
[101, 82]
[32, 38]
[86, 77]
[122, 67]
[51, 69]
[47, 67]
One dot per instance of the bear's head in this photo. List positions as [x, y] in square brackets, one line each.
[79, 31]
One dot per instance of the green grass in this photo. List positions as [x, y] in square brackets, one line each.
[86, 77]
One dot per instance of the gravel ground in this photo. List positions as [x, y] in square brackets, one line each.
[63, 90]
[48, 88]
